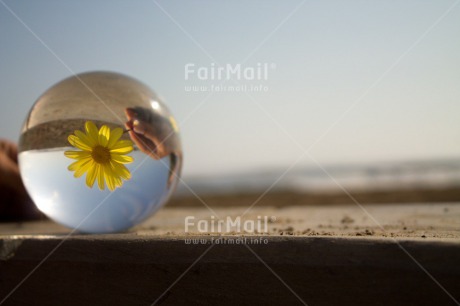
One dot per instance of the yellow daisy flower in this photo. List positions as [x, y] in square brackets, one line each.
[102, 156]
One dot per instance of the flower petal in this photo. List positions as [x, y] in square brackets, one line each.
[91, 131]
[83, 167]
[109, 178]
[121, 171]
[118, 181]
[76, 142]
[75, 165]
[122, 144]
[85, 138]
[91, 176]
[115, 135]
[100, 177]
[104, 135]
[122, 150]
[77, 154]
[122, 159]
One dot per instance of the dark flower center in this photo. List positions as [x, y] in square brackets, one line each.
[100, 154]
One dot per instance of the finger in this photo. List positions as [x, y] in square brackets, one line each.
[129, 125]
[139, 127]
[10, 149]
[9, 173]
[144, 144]
[130, 113]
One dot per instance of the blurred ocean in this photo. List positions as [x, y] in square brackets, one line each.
[385, 176]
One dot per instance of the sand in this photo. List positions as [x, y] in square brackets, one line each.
[419, 221]
[327, 197]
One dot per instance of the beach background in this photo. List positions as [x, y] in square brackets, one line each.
[402, 182]
[368, 89]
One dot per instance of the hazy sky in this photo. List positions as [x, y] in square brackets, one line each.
[396, 62]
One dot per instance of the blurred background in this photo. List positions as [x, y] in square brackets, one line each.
[360, 96]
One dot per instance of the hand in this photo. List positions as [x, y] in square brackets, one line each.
[15, 202]
[155, 136]
[152, 134]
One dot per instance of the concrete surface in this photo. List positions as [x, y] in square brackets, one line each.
[310, 255]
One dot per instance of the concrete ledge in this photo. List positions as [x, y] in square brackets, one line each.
[125, 270]
[318, 255]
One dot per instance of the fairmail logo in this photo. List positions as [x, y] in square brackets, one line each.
[236, 72]
[227, 225]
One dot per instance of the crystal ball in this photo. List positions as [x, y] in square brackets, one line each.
[99, 152]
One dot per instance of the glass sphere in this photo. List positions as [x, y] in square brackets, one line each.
[99, 152]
